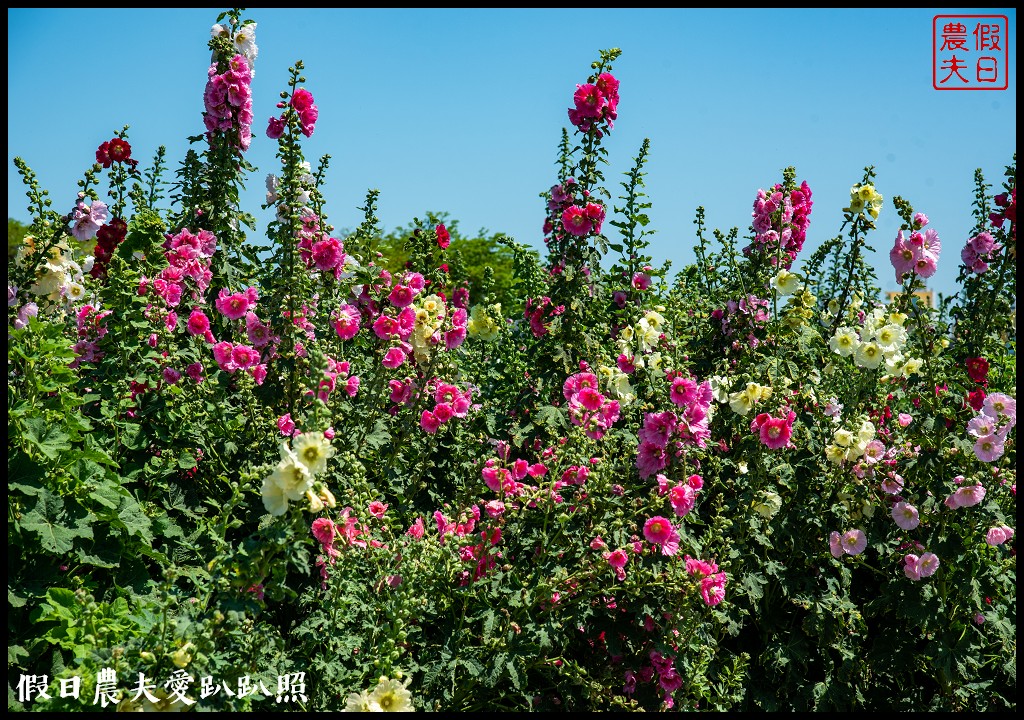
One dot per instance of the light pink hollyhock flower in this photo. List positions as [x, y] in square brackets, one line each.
[979, 619]
[998, 535]
[905, 515]
[920, 220]
[902, 257]
[352, 385]
[904, 419]
[416, 529]
[683, 499]
[659, 531]
[394, 358]
[854, 542]
[378, 509]
[494, 508]
[88, 219]
[429, 422]
[874, 452]
[618, 559]
[835, 544]
[324, 530]
[926, 265]
[998, 404]
[927, 564]
[982, 425]
[598, 544]
[910, 566]
[989, 448]
[712, 589]
[575, 221]
[967, 496]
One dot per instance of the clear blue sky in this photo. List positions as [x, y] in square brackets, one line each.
[462, 110]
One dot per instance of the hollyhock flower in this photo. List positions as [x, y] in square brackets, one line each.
[171, 376]
[233, 306]
[378, 509]
[275, 127]
[977, 369]
[598, 544]
[905, 515]
[982, 425]
[683, 498]
[88, 219]
[618, 559]
[324, 531]
[286, 425]
[712, 589]
[904, 419]
[576, 221]
[494, 508]
[222, 354]
[429, 422]
[976, 399]
[352, 386]
[966, 496]
[774, 432]
[902, 257]
[990, 448]
[683, 391]
[927, 564]
[327, 254]
[444, 238]
[312, 449]
[835, 544]
[346, 322]
[854, 542]
[394, 358]
[651, 458]
[195, 371]
[1001, 404]
[416, 529]
[910, 566]
[659, 531]
[998, 535]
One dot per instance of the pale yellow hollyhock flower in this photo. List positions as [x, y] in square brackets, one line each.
[843, 437]
[312, 450]
[835, 454]
[844, 342]
[391, 696]
[741, 402]
[868, 355]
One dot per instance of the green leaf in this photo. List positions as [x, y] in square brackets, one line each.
[42, 520]
[132, 519]
[50, 440]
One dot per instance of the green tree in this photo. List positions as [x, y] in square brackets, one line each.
[16, 232]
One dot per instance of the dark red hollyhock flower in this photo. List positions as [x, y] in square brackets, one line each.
[120, 150]
[976, 398]
[977, 369]
[103, 154]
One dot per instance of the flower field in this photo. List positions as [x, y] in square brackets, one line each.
[295, 468]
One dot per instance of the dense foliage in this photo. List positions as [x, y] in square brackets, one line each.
[359, 470]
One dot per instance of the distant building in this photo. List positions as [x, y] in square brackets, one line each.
[925, 297]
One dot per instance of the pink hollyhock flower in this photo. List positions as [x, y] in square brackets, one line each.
[222, 354]
[904, 419]
[454, 338]
[324, 530]
[902, 258]
[443, 412]
[683, 392]
[982, 425]
[352, 386]
[327, 254]
[598, 544]
[444, 238]
[416, 529]
[927, 564]
[854, 542]
[589, 101]
[641, 281]
[88, 219]
[591, 399]
[910, 566]
[286, 425]
[171, 376]
[774, 432]
[393, 358]
[233, 306]
[595, 214]
[385, 327]
[429, 422]
[378, 509]
[625, 364]
[659, 531]
[905, 515]
[966, 496]
[401, 296]
[618, 559]
[990, 448]
[494, 508]
[1000, 405]
[346, 322]
[195, 371]
[712, 589]
[244, 357]
[683, 499]
[651, 458]
[575, 221]
[275, 127]
[835, 544]
[998, 535]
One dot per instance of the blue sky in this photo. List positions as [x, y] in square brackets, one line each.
[461, 110]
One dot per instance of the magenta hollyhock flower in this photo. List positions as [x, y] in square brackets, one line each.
[905, 515]
[641, 281]
[494, 508]
[324, 531]
[286, 425]
[198, 323]
[444, 238]
[171, 376]
[590, 398]
[401, 296]
[346, 322]
[443, 412]
[617, 559]
[233, 306]
[595, 214]
[712, 589]
[576, 221]
[327, 254]
[429, 422]
[195, 371]
[683, 498]
[683, 392]
[222, 354]
[588, 100]
[651, 458]
[854, 542]
[990, 448]
[378, 509]
[393, 358]
[275, 127]
[244, 357]
[385, 327]
[416, 529]
[659, 531]
[454, 338]
[835, 544]
[774, 432]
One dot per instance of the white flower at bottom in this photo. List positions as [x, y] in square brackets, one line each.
[391, 696]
